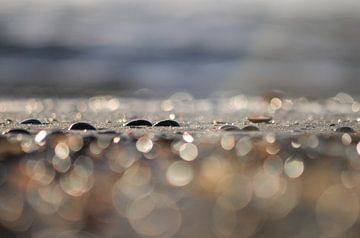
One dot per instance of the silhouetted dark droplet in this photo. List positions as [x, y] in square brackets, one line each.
[81, 126]
[32, 121]
[168, 123]
[138, 123]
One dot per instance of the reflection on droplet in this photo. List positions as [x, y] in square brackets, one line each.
[243, 146]
[40, 137]
[337, 210]
[295, 145]
[272, 149]
[293, 167]
[187, 137]
[144, 144]
[188, 151]
[227, 142]
[179, 173]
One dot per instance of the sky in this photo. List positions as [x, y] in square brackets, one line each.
[199, 46]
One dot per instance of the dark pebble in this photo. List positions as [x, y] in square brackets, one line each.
[32, 121]
[168, 123]
[229, 128]
[81, 126]
[250, 128]
[138, 123]
[332, 124]
[345, 129]
[17, 131]
[259, 119]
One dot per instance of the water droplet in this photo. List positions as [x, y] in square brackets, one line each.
[250, 128]
[32, 121]
[138, 123]
[167, 123]
[345, 129]
[81, 126]
[17, 131]
[229, 128]
[259, 119]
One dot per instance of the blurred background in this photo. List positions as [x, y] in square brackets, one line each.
[72, 47]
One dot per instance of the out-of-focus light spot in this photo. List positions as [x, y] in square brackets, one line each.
[273, 164]
[312, 141]
[155, 215]
[346, 139]
[144, 144]
[40, 138]
[295, 144]
[234, 192]
[275, 103]
[270, 138]
[61, 165]
[188, 151]
[75, 143]
[172, 116]
[239, 102]
[272, 149]
[243, 146]
[337, 210]
[293, 167]
[62, 150]
[167, 105]
[227, 142]
[187, 137]
[266, 184]
[179, 173]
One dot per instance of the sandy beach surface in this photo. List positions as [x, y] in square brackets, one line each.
[238, 166]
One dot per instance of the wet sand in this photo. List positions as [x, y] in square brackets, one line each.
[217, 175]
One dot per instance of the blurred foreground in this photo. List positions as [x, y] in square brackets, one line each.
[217, 175]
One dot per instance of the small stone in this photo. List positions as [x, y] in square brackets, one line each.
[138, 123]
[250, 128]
[81, 126]
[345, 129]
[229, 128]
[17, 131]
[168, 123]
[259, 119]
[32, 121]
